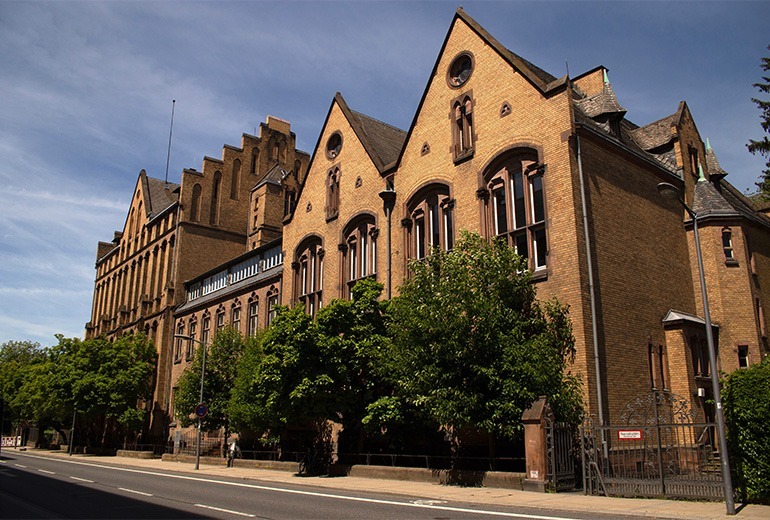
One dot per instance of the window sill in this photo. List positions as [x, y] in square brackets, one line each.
[730, 262]
[177, 361]
[540, 275]
[464, 156]
[329, 218]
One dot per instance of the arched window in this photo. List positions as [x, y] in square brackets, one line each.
[195, 204]
[359, 252]
[727, 246]
[178, 344]
[429, 222]
[215, 188]
[191, 344]
[462, 131]
[253, 314]
[308, 274]
[235, 316]
[514, 203]
[206, 334]
[220, 318]
[235, 180]
[332, 193]
[272, 304]
[254, 160]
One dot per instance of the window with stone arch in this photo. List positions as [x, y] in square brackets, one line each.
[308, 274]
[253, 315]
[235, 315]
[220, 318]
[215, 189]
[195, 203]
[332, 193]
[358, 251]
[430, 221]
[514, 202]
[254, 160]
[178, 345]
[193, 324]
[462, 127]
[272, 303]
[235, 179]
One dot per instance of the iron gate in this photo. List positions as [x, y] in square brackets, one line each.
[657, 450]
[560, 455]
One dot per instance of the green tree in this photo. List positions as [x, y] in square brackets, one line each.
[222, 359]
[472, 347]
[307, 372]
[746, 397]
[762, 146]
[18, 360]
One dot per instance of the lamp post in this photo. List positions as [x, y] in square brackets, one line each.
[200, 401]
[670, 191]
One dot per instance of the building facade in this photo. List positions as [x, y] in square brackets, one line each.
[499, 147]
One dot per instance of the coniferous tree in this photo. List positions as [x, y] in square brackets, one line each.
[762, 146]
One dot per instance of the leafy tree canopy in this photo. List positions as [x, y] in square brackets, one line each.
[472, 347]
[222, 359]
[746, 396]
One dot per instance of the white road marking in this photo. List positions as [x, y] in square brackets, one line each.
[2, 462]
[82, 479]
[20, 465]
[136, 492]
[309, 493]
[46, 471]
[224, 510]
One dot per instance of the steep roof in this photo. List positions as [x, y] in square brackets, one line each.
[655, 134]
[159, 195]
[382, 142]
[274, 175]
[605, 102]
[707, 201]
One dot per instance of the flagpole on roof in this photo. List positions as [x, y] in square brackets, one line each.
[170, 132]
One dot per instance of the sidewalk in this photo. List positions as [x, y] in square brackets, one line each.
[563, 502]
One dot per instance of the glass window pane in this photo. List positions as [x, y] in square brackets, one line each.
[435, 226]
[519, 211]
[501, 216]
[539, 246]
[449, 239]
[419, 234]
[520, 243]
[538, 205]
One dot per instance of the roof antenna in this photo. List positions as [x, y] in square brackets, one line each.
[171, 130]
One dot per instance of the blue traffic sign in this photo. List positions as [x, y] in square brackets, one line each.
[201, 411]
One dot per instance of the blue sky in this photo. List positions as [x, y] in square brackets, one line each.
[86, 90]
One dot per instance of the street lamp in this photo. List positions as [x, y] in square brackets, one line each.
[672, 192]
[200, 402]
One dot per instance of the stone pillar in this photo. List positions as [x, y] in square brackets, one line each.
[534, 419]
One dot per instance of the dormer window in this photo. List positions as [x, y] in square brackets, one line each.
[462, 127]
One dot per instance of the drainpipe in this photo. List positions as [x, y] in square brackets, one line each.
[592, 293]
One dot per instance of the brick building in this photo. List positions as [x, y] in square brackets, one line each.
[173, 233]
[496, 146]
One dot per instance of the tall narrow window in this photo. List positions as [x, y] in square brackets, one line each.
[429, 224]
[462, 131]
[272, 305]
[253, 316]
[235, 179]
[206, 334]
[254, 160]
[760, 317]
[727, 246]
[359, 252]
[215, 188]
[220, 319]
[289, 201]
[694, 161]
[178, 344]
[191, 344]
[516, 209]
[308, 275]
[332, 192]
[236, 318]
[195, 203]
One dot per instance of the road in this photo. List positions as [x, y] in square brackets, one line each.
[33, 486]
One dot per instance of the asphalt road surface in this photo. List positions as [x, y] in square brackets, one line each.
[32, 486]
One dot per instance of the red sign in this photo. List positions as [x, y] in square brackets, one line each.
[629, 435]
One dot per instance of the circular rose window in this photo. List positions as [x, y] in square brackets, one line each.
[334, 145]
[460, 70]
